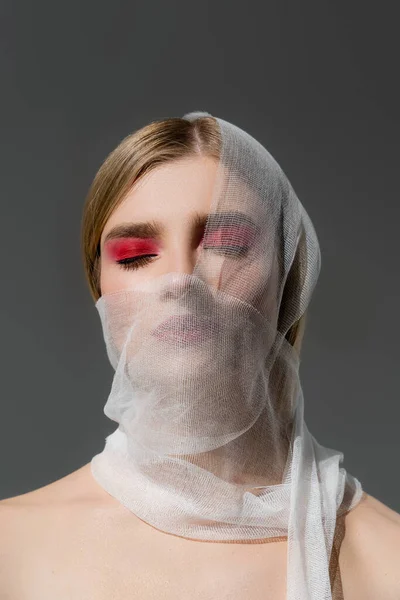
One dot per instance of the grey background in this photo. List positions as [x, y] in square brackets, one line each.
[315, 82]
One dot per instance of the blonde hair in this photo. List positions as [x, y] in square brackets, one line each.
[159, 142]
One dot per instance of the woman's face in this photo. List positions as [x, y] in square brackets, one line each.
[170, 345]
[158, 227]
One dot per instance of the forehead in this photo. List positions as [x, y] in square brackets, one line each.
[170, 192]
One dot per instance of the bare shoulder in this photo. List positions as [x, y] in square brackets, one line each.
[30, 518]
[16, 511]
[76, 488]
[42, 531]
[370, 552]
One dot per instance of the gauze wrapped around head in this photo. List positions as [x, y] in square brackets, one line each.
[211, 442]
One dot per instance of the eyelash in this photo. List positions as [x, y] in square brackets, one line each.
[135, 261]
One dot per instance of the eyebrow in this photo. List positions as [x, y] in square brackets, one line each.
[156, 229]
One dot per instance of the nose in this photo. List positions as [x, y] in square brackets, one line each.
[182, 261]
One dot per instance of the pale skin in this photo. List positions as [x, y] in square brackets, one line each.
[72, 540]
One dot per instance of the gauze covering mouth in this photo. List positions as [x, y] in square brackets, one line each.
[177, 395]
[211, 441]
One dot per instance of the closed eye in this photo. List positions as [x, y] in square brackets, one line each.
[134, 262]
[229, 239]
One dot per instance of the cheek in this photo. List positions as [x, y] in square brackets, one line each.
[108, 277]
[112, 276]
[264, 289]
[255, 283]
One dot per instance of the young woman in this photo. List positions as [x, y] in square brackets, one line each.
[201, 261]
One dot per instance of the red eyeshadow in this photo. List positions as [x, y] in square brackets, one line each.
[227, 235]
[129, 247]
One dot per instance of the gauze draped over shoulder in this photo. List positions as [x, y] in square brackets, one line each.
[211, 442]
